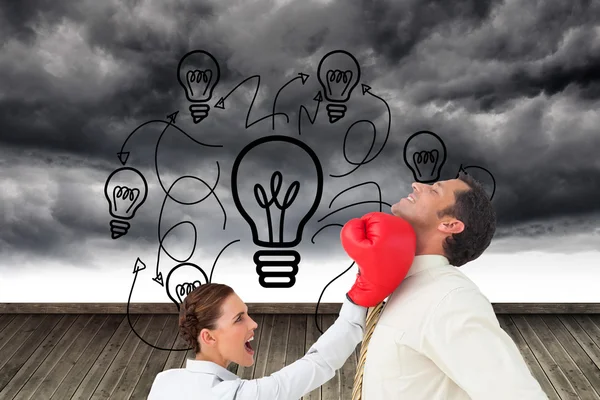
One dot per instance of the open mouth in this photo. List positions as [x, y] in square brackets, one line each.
[248, 346]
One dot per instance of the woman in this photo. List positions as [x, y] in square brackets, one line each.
[215, 323]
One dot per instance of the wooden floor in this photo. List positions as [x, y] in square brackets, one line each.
[94, 356]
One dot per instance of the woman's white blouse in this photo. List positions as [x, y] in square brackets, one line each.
[204, 380]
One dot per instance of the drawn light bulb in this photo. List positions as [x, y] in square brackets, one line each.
[126, 190]
[266, 205]
[198, 73]
[425, 155]
[182, 279]
[338, 74]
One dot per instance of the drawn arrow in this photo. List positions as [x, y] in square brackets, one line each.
[139, 265]
[366, 89]
[136, 270]
[221, 103]
[318, 98]
[124, 155]
[301, 76]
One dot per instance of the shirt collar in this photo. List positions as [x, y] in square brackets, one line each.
[426, 261]
[209, 367]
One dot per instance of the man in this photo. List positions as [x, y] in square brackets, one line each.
[438, 336]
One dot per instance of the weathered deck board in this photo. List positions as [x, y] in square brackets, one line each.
[98, 356]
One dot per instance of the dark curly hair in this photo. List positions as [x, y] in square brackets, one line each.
[474, 208]
[200, 309]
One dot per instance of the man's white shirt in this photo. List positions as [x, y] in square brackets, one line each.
[438, 338]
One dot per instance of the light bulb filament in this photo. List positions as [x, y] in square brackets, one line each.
[424, 157]
[182, 290]
[198, 76]
[261, 198]
[125, 193]
[335, 76]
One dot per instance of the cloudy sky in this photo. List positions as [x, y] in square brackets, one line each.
[511, 87]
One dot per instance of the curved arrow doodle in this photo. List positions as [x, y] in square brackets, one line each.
[318, 98]
[367, 89]
[221, 103]
[301, 76]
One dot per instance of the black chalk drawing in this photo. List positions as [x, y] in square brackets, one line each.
[379, 201]
[125, 190]
[198, 72]
[425, 155]
[338, 73]
[221, 102]
[264, 201]
[271, 207]
[481, 174]
[318, 98]
[179, 285]
[366, 90]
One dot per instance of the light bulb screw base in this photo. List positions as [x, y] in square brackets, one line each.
[276, 264]
[199, 112]
[336, 112]
[118, 228]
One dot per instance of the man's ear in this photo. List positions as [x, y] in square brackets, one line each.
[451, 226]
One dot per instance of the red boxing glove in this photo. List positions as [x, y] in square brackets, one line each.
[384, 247]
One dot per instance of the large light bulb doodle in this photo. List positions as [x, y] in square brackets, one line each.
[338, 74]
[425, 155]
[182, 279]
[278, 266]
[198, 73]
[126, 190]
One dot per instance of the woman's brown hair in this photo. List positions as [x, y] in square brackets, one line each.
[201, 309]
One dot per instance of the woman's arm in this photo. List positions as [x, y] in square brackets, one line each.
[327, 355]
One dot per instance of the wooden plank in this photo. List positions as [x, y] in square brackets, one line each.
[551, 368]
[331, 389]
[176, 357]
[265, 346]
[21, 336]
[41, 373]
[582, 337]
[591, 325]
[157, 359]
[109, 353]
[534, 366]
[248, 372]
[85, 363]
[14, 383]
[5, 320]
[14, 363]
[74, 349]
[157, 308]
[563, 359]
[279, 339]
[12, 328]
[584, 363]
[139, 359]
[119, 364]
[269, 308]
[296, 339]
[312, 335]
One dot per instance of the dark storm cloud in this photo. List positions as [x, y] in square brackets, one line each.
[76, 80]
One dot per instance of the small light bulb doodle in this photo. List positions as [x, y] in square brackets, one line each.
[126, 190]
[338, 74]
[258, 208]
[481, 175]
[182, 279]
[198, 73]
[425, 155]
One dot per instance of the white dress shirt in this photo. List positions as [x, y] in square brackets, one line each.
[438, 338]
[205, 380]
